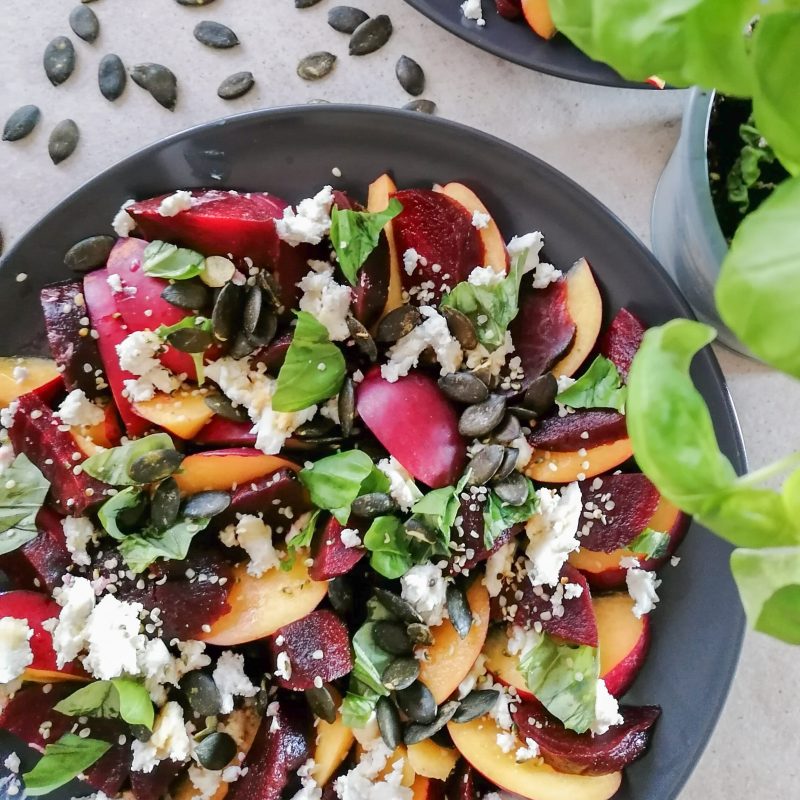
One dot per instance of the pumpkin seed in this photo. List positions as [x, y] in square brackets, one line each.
[401, 673]
[398, 323]
[523, 414]
[141, 733]
[340, 595]
[541, 394]
[111, 76]
[361, 336]
[461, 327]
[159, 80]
[59, 60]
[305, 3]
[217, 271]
[201, 693]
[419, 633]
[417, 703]
[389, 723]
[215, 34]
[392, 637]
[84, 23]
[508, 430]
[236, 85]
[482, 418]
[397, 607]
[216, 751]
[190, 340]
[21, 123]
[89, 253]
[224, 408]
[415, 733]
[194, 2]
[373, 505]
[165, 504]
[319, 426]
[321, 703]
[271, 288]
[242, 346]
[476, 704]
[485, 463]
[370, 35]
[206, 504]
[410, 75]
[458, 610]
[513, 490]
[484, 374]
[227, 313]
[63, 141]
[252, 309]
[346, 19]
[154, 466]
[463, 387]
[421, 106]
[191, 295]
[508, 465]
[418, 530]
[316, 65]
[347, 407]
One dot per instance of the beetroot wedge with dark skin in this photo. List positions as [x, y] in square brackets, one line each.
[154, 785]
[52, 392]
[221, 432]
[70, 340]
[622, 339]
[331, 557]
[510, 9]
[273, 355]
[37, 433]
[565, 434]
[317, 646]
[463, 782]
[621, 508]
[582, 753]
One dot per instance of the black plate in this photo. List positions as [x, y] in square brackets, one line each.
[513, 40]
[699, 623]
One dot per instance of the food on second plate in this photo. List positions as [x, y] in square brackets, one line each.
[535, 12]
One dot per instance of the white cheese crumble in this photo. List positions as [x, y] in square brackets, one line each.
[424, 587]
[205, 781]
[254, 536]
[524, 452]
[480, 219]
[19, 373]
[6, 457]
[471, 9]
[401, 485]
[7, 414]
[642, 586]
[115, 283]
[506, 741]
[137, 354]
[309, 789]
[350, 537]
[326, 300]
[543, 274]
[499, 565]
[79, 532]
[486, 276]
[606, 710]
[361, 783]
[123, 223]
[283, 666]
[172, 205]
[477, 671]
[12, 762]
[411, 259]
[526, 753]
[231, 681]
[310, 222]
[78, 409]
[15, 648]
[169, 739]
[77, 602]
[495, 360]
[113, 639]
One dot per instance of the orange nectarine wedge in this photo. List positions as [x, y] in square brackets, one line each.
[548, 466]
[623, 638]
[537, 15]
[333, 743]
[31, 373]
[221, 470]
[380, 192]
[183, 413]
[431, 760]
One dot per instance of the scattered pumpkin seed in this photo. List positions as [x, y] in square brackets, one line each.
[397, 323]
[400, 673]
[236, 85]
[111, 77]
[201, 693]
[206, 504]
[463, 387]
[59, 60]
[84, 23]
[508, 430]
[410, 75]
[508, 465]
[215, 34]
[190, 340]
[21, 123]
[362, 338]
[523, 414]
[252, 309]
[373, 505]
[227, 312]
[321, 703]
[216, 750]
[159, 80]
[89, 253]
[458, 610]
[419, 633]
[340, 595]
[305, 3]
[392, 637]
[422, 106]
[513, 490]
[417, 703]
[461, 327]
[224, 408]
[484, 464]
[165, 505]
[191, 295]
[397, 607]
[217, 271]
[319, 426]
[418, 530]
[346, 404]
[370, 35]
[315, 66]
[541, 394]
[415, 733]
[476, 704]
[482, 418]
[346, 19]
[155, 466]
[63, 140]
[389, 723]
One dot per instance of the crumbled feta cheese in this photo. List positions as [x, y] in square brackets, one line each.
[477, 671]
[115, 282]
[521, 641]
[350, 537]
[310, 222]
[495, 360]
[15, 648]
[254, 536]
[506, 741]
[486, 276]
[500, 712]
[433, 333]
[77, 409]
[572, 591]
[19, 373]
[642, 586]
[531, 750]
[424, 587]
[606, 710]
[401, 485]
[77, 602]
[231, 681]
[173, 205]
[12, 762]
[309, 789]
[499, 565]
[123, 223]
[113, 638]
[330, 409]
[411, 259]
[326, 300]
[564, 382]
[6, 457]
[7, 414]
[480, 219]
[205, 781]
[78, 533]
[137, 355]
[283, 666]
[361, 783]
[553, 533]
[524, 452]
[169, 740]
[543, 274]
[471, 9]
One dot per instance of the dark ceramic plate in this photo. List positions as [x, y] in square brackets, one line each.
[513, 40]
[290, 152]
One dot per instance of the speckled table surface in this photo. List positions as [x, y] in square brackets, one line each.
[613, 142]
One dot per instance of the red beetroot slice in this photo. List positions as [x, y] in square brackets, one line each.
[543, 330]
[622, 339]
[331, 557]
[65, 317]
[582, 753]
[273, 355]
[510, 9]
[441, 231]
[52, 392]
[154, 785]
[462, 783]
[37, 433]
[303, 641]
[617, 511]
[565, 434]
[222, 432]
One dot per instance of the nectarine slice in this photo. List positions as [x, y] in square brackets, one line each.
[477, 742]
[537, 15]
[380, 191]
[450, 658]
[585, 306]
[502, 665]
[220, 470]
[19, 376]
[259, 606]
[183, 413]
[421, 789]
[624, 640]
[431, 760]
[334, 740]
[547, 466]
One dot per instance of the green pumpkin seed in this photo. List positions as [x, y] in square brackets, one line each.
[201, 693]
[508, 430]
[482, 418]
[84, 23]
[159, 80]
[141, 733]
[370, 35]
[513, 490]
[415, 733]
[321, 703]
[59, 60]
[242, 346]
[111, 77]
[461, 327]
[398, 323]
[374, 504]
[485, 463]
[458, 610]
[252, 309]
[190, 340]
[347, 407]
[63, 141]
[397, 607]
[417, 703]
[224, 408]
[522, 414]
[154, 466]
[236, 85]
[316, 65]
[315, 428]
[362, 338]
[216, 751]
[305, 3]
[90, 253]
[508, 465]
[392, 637]
[421, 106]
[191, 295]
[410, 75]
[346, 19]
[165, 504]
[476, 704]
[227, 313]
[206, 504]
[272, 290]
[463, 387]
[340, 595]
[215, 34]
[389, 723]
[419, 633]
[217, 271]
[21, 123]
[541, 394]
[400, 674]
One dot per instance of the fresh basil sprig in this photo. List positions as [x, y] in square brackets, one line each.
[302, 540]
[23, 489]
[116, 505]
[62, 761]
[112, 465]
[164, 260]
[439, 508]
[200, 323]
[390, 547]
[599, 387]
[119, 698]
[140, 550]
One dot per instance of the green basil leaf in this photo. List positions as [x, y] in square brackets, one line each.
[61, 762]
[140, 550]
[112, 465]
[745, 174]
[499, 516]
[389, 546]
[163, 260]
[120, 698]
[599, 387]
[651, 544]
[205, 324]
[758, 291]
[564, 679]
[355, 234]
[303, 539]
[22, 492]
[114, 506]
[313, 370]
[357, 708]
[335, 481]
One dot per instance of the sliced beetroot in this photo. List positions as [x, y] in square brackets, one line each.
[416, 423]
[154, 785]
[622, 339]
[273, 355]
[38, 433]
[31, 706]
[372, 290]
[467, 542]
[318, 647]
[463, 782]
[221, 432]
[112, 770]
[510, 9]
[582, 753]
[331, 557]
[52, 392]
[617, 511]
[543, 330]
[566, 434]
[441, 231]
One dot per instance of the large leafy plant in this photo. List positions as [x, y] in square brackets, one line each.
[748, 49]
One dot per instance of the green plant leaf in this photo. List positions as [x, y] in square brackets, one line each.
[163, 260]
[23, 489]
[390, 548]
[599, 387]
[439, 508]
[140, 550]
[62, 761]
[112, 465]
[355, 234]
[499, 516]
[303, 539]
[114, 506]
[651, 544]
[313, 370]
[120, 698]
[192, 321]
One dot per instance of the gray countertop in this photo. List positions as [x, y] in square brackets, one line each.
[613, 142]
